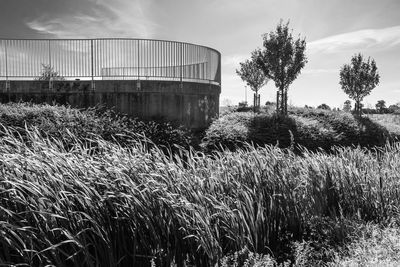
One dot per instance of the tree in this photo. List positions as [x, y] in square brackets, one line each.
[394, 108]
[380, 106]
[358, 79]
[281, 60]
[324, 106]
[254, 78]
[347, 106]
[48, 73]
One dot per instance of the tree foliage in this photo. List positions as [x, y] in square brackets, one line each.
[380, 106]
[250, 73]
[281, 59]
[347, 106]
[394, 108]
[254, 77]
[324, 106]
[359, 78]
[48, 73]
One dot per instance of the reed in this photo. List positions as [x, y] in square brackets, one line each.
[113, 205]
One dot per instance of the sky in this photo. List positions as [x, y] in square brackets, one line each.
[334, 30]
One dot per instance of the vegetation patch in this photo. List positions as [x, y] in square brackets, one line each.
[82, 188]
[374, 246]
[124, 206]
[313, 129]
[62, 123]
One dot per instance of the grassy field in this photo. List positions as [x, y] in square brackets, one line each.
[95, 202]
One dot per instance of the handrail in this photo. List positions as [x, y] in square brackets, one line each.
[126, 58]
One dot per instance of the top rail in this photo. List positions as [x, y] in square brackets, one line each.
[108, 58]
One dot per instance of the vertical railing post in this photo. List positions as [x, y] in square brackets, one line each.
[93, 86]
[50, 69]
[6, 53]
[181, 74]
[138, 65]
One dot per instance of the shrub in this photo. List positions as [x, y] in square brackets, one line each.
[59, 122]
[311, 128]
[228, 131]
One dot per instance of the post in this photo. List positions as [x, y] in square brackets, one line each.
[50, 78]
[7, 81]
[181, 69]
[138, 59]
[138, 67]
[92, 65]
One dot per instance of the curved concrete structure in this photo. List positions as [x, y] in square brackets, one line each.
[188, 103]
[149, 79]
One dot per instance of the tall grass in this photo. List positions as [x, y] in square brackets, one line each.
[119, 206]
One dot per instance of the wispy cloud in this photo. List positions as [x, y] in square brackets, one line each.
[234, 60]
[119, 18]
[368, 38]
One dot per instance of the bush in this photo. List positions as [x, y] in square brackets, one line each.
[235, 129]
[311, 128]
[59, 122]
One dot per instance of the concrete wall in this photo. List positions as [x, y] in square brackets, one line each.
[191, 104]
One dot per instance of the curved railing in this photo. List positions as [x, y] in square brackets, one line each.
[115, 58]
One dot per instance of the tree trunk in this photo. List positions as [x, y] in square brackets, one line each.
[277, 102]
[286, 100]
[282, 95]
[358, 108]
[255, 102]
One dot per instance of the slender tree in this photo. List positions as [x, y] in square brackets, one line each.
[347, 106]
[250, 73]
[281, 59]
[380, 106]
[48, 73]
[358, 79]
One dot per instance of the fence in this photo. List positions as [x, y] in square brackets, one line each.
[94, 59]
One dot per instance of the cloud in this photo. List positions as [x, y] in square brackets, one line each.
[234, 60]
[368, 38]
[119, 18]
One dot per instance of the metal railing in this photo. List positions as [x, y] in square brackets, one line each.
[96, 59]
